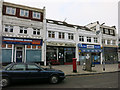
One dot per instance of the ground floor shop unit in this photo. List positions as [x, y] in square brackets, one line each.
[16, 49]
[111, 55]
[93, 50]
[63, 54]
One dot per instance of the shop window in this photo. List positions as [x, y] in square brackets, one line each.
[70, 36]
[34, 47]
[8, 28]
[24, 13]
[81, 38]
[3, 45]
[9, 46]
[36, 15]
[36, 31]
[23, 30]
[39, 46]
[10, 10]
[51, 34]
[95, 40]
[28, 46]
[61, 35]
[88, 39]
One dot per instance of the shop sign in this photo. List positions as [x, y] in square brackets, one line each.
[22, 41]
[89, 46]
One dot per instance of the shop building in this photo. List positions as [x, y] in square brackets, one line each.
[22, 33]
[108, 41]
[60, 41]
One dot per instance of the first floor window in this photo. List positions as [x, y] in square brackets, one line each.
[61, 35]
[70, 36]
[8, 28]
[36, 31]
[88, 39]
[103, 41]
[81, 38]
[23, 30]
[114, 42]
[95, 40]
[51, 34]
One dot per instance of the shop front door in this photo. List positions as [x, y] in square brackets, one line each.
[61, 56]
[19, 54]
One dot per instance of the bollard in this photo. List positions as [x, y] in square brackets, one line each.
[74, 65]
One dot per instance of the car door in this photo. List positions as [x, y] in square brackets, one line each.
[18, 71]
[36, 72]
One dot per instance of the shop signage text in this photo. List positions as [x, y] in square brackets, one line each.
[23, 41]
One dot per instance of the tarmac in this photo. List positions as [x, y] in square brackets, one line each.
[97, 69]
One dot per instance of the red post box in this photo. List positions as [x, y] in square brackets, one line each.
[74, 65]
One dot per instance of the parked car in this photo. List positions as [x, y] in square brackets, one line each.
[29, 71]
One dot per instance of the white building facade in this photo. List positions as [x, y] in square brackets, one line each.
[22, 33]
[108, 41]
[27, 36]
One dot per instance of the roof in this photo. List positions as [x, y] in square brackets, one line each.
[66, 24]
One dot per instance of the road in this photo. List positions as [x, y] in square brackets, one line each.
[106, 80]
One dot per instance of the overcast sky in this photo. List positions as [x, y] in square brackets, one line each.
[79, 12]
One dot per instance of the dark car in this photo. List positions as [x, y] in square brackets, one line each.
[29, 71]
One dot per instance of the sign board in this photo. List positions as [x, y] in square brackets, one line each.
[21, 41]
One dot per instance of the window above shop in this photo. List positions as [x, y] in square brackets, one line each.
[36, 31]
[88, 39]
[81, 38]
[23, 30]
[103, 41]
[10, 10]
[70, 36]
[51, 34]
[24, 13]
[36, 15]
[61, 35]
[8, 28]
[95, 40]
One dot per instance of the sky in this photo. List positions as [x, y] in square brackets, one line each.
[77, 12]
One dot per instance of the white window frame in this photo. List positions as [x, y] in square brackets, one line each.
[37, 31]
[61, 35]
[10, 10]
[81, 38]
[111, 31]
[23, 29]
[51, 34]
[9, 27]
[89, 39]
[24, 13]
[106, 31]
[103, 41]
[70, 36]
[95, 40]
[36, 14]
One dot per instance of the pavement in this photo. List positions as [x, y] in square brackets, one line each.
[68, 69]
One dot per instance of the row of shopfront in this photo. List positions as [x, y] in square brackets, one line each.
[30, 50]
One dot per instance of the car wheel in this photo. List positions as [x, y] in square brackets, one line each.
[4, 82]
[54, 79]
